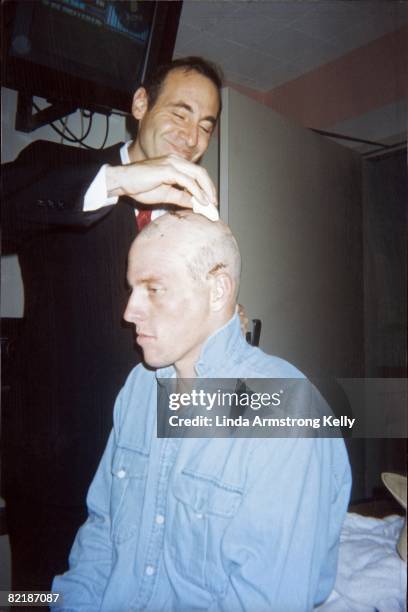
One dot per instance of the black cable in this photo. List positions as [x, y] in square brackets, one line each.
[54, 127]
[61, 133]
[106, 133]
[75, 139]
[57, 130]
[82, 138]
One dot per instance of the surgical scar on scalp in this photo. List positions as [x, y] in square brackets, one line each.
[218, 266]
[174, 213]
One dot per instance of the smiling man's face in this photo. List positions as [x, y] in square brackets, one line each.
[181, 120]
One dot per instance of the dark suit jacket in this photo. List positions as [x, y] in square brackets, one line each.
[75, 350]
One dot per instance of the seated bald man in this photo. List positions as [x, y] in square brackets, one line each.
[227, 524]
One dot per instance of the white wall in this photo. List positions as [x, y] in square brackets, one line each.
[293, 200]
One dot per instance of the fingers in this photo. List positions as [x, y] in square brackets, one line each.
[170, 180]
[186, 182]
[199, 175]
[165, 194]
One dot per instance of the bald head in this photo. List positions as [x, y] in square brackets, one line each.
[206, 247]
[184, 274]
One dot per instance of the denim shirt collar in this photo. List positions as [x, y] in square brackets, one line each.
[221, 346]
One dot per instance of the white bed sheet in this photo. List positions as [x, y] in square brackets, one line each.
[371, 577]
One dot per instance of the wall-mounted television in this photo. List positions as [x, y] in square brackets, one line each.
[91, 53]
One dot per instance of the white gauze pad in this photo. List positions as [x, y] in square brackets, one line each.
[210, 211]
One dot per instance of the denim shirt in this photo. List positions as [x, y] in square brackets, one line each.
[187, 524]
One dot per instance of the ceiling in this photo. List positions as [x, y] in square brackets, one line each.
[339, 66]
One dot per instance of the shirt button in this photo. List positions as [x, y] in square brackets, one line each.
[199, 515]
[159, 519]
[121, 473]
[150, 570]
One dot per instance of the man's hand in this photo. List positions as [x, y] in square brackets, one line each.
[163, 180]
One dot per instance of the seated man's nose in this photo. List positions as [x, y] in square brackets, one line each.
[128, 315]
[133, 311]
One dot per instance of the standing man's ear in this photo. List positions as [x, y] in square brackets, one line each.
[140, 103]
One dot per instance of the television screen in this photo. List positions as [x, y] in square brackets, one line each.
[94, 53]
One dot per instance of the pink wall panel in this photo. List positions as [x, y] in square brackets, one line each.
[364, 79]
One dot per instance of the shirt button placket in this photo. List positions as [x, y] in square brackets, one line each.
[155, 546]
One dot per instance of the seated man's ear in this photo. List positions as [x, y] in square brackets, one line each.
[140, 103]
[222, 291]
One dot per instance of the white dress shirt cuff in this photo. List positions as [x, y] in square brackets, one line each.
[97, 195]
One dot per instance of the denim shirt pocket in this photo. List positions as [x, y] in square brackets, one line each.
[203, 510]
[129, 472]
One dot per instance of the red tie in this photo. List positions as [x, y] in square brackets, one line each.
[143, 218]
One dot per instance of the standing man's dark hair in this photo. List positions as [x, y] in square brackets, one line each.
[154, 83]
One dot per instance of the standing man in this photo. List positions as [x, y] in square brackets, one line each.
[69, 214]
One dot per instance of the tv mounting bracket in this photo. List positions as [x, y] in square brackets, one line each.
[27, 121]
